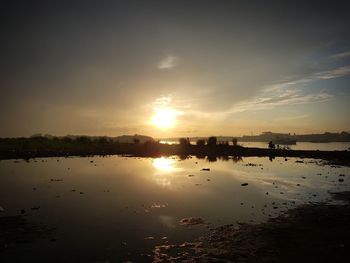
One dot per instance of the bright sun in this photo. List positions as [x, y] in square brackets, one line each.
[164, 118]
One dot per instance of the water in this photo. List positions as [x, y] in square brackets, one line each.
[329, 146]
[103, 208]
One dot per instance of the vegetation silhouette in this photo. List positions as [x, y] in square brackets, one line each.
[50, 146]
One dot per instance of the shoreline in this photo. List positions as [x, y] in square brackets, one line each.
[157, 150]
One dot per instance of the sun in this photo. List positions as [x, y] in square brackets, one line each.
[164, 118]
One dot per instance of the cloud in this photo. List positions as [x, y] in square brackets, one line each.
[340, 55]
[292, 118]
[270, 100]
[168, 62]
[333, 73]
[288, 93]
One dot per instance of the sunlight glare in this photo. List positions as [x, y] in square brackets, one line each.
[164, 164]
[164, 118]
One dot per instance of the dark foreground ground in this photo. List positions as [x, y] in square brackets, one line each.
[310, 233]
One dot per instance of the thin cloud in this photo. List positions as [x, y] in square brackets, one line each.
[168, 62]
[287, 94]
[270, 101]
[341, 55]
[292, 118]
[333, 73]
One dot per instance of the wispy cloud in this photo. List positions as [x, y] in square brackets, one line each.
[270, 100]
[340, 55]
[333, 73]
[290, 92]
[292, 118]
[168, 62]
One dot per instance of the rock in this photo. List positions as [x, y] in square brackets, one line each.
[341, 180]
[190, 175]
[244, 184]
[23, 211]
[149, 238]
[2, 209]
[205, 169]
[56, 180]
[191, 221]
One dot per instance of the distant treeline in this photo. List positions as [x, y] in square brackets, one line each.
[280, 138]
[47, 145]
[51, 146]
[324, 137]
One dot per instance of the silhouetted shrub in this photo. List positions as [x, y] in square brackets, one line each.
[184, 141]
[234, 141]
[212, 141]
[83, 139]
[102, 140]
[200, 142]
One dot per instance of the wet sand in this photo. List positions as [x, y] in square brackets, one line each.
[309, 233]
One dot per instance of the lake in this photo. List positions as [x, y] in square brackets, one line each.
[324, 146]
[114, 209]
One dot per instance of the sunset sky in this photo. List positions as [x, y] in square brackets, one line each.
[174, 68]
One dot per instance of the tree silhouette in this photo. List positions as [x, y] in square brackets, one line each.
[200, 142]
[184, 141]
[212, 141]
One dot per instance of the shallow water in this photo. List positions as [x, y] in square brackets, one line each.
[329, 146]
[322, 146]
[106, 208]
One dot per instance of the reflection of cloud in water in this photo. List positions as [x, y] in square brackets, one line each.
[168, 221]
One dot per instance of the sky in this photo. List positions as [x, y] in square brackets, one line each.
[199, 67]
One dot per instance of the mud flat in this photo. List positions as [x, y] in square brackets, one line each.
[309, 233]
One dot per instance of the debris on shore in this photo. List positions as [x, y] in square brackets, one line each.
[191, 221]
[315, 233]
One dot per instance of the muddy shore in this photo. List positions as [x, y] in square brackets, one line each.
[309, 233]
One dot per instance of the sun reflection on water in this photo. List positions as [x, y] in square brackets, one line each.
[164, 164]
